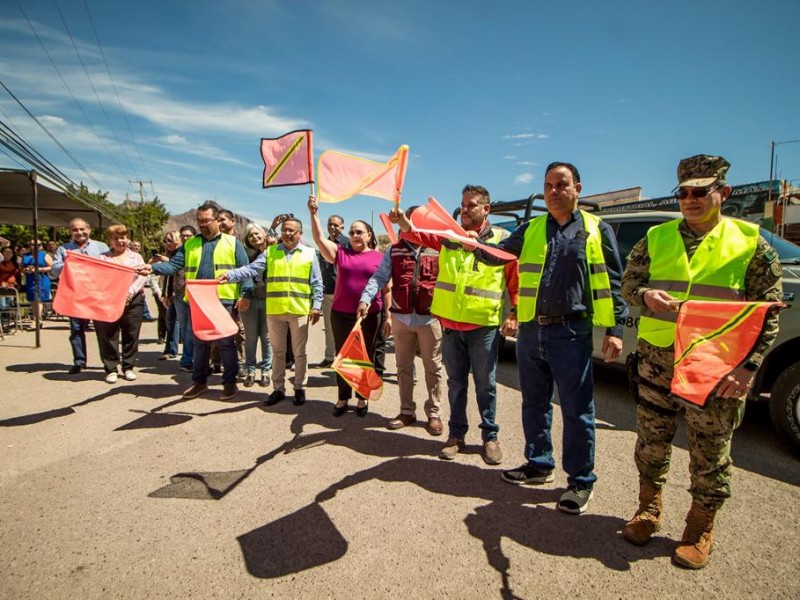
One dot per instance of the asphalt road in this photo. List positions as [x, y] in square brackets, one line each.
[126, 491]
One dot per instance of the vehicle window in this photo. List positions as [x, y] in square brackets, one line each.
[788, 251]
[628, 233]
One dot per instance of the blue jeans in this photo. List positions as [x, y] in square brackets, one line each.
[185, 326]
[227, 350]
[171, 322]
[474, 350]
[77, 339]
[558, 355]
[255, 329]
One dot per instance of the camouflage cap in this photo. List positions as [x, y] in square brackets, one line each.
[701, 170]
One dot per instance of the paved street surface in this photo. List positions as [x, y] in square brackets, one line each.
[126, 491]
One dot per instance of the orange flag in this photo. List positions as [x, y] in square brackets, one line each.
[288, 160]
[353, 364]
[711, 340]
[433, 218]
[210, 320]
[92, 288]
[342, 176]
[387, 224]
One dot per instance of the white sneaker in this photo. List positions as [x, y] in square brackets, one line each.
[129, 376]
[112, 377]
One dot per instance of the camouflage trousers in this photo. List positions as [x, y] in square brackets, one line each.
[708, 432]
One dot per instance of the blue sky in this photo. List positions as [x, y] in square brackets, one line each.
[483, 93]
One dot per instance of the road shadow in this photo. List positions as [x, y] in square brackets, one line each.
[512, 512]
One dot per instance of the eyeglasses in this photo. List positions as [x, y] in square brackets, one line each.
[357, 233]
[697, 192]
[289, 231]
[205, 221]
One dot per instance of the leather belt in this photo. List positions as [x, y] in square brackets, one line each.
[561, 320]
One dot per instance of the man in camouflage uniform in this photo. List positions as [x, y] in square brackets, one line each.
[701, 191]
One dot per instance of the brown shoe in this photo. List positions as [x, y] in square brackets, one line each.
[698, 539]
[195, 391]
[229, 391]
[435, 426]
[647, 520]
[492, 454]
[401, 421]
[451, 447]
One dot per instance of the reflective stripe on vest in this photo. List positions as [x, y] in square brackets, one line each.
[716, 272]
[289, 282]
[531, 264]
[469, 291]
[224, 261]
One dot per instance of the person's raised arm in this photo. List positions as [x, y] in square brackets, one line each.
[326, 247]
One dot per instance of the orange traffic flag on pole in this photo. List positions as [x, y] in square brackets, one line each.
[288, 160]
[342, 176]
[210, 319]
[92, 288]
[433, 218]
[711, 340]
[353, 364]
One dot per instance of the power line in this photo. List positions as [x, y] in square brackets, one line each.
[97, 96]
[116, 92]
[60, 145]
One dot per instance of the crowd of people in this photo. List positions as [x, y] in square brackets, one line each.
[443, 300]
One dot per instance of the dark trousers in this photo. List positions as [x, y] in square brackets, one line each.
[77, 339]
[127, 327]
[342, 326]
[202, 353]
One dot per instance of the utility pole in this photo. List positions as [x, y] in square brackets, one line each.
[141, 204]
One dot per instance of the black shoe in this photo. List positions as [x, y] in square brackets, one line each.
[250, 379]
[299, 397]
[338, 410]
[323, 364]
[186, 368]
[216, 369]
[362, 411]
[75, 369]
[275, 397]
[528, 475]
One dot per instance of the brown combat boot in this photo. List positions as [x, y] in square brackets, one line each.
[647, 519]
[698, 539]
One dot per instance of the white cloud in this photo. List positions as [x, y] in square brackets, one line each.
[518, 136]
[523, 178]
[194, 148]
[527, 163]
[510, 157]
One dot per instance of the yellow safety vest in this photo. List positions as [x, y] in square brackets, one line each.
[469, 291]
[288, 282]
[531, 264]
[224, 261]
[716, 272]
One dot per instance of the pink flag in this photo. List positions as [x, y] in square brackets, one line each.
[92, 288]
[389, 227]
[210, 320]
[433, 218]
[288, 160]
[342, 176]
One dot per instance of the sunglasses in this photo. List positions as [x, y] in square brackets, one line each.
[700, 192]
[357, 232]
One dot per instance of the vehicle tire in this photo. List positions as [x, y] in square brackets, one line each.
[784, 403]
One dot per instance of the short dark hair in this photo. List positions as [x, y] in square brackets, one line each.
[341, 220]
[209, 205]
[477, 190]
[294, 220]
[188, 228]
[411, 209]
[576, 177]
[228, 214]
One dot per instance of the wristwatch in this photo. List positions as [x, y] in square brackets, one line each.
[749, 365]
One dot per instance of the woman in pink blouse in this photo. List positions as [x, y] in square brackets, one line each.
[129, 324]
[355, 263]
